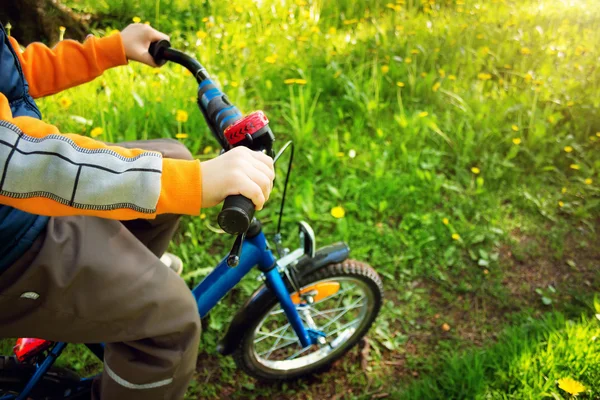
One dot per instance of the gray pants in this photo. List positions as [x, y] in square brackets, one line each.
[100, 280]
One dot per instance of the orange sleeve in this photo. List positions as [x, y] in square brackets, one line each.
[48, 173]
[69, 63]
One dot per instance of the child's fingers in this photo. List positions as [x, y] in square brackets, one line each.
[261, 180]
[248, 188]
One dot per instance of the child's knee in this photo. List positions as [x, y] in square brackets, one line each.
[176, 149]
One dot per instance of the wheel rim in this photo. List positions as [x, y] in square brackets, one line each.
[340, 316]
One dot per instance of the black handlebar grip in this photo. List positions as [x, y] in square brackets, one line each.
[236, 215]
[156, 51]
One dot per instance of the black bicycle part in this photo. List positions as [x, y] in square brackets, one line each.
[287, 177]
[244, 354]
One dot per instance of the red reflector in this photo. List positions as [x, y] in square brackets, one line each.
[248, 125]
[29, 347]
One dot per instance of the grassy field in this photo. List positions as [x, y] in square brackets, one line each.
[461, 139]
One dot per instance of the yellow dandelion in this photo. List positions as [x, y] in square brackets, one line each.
[574, 166]
[62, 29]
[516, 141]
[182, 116]
[455, 236]
[332, 31]
[302, 39]
[207, 149]
[588, 181]
[598, 134]
[351, 21]
[338, 212]
[385, 69]
[568, 149]
[414, 51]
[239, 9]
[442, 73]
[423, 74]
[483, 76]
[475, 170]
[136, 20]
[201, 35]
[445, 221]
[65, 102]
[561, 204]
[400, 84]
[300, 81]
[181, 135]
[563, 190]
[202, 216]
[452, 77]
[271, 59]
[528, 78]
[525, 51]
[290, 81]
[408, 60]
[436, 86]
[96, 132]
[340, 154]
[507, 66]
[571, 386]
[515, 128]
[423, 114]
[234, 84]
[205, 19]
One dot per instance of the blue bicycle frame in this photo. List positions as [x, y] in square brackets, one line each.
[255, 252]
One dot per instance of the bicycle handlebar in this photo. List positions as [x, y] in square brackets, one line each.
[227, 125]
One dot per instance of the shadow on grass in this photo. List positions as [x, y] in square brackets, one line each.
[526, 362]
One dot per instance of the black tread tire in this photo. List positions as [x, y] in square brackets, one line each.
[347, 268]
[14, 376]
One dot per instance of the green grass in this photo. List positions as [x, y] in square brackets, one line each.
[526, 363]
[459, 116]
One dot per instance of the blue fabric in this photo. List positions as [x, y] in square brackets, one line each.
[18, 229]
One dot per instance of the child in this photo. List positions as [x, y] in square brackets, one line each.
[83, 223]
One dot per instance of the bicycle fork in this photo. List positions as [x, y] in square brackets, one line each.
[307, 336]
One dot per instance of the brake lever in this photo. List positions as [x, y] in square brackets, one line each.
[233, 259]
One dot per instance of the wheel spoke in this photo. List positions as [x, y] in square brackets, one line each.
[330, 310]
[340, 315]
[271, 334]
[299, 352]
[343, 327]
[337, 316]
[276, 348]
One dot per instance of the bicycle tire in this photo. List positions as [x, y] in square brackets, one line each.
[245, 356]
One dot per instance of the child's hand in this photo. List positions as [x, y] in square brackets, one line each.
[239, 171]
[136, 40]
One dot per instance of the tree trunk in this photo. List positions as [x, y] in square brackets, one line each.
[40, 20]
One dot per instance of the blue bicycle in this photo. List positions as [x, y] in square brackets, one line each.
[313, 306]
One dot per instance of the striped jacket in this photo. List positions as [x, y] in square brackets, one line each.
[45, 173]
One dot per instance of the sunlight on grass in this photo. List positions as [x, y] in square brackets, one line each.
[428, 133]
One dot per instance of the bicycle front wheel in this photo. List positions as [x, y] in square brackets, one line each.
[340, 300]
